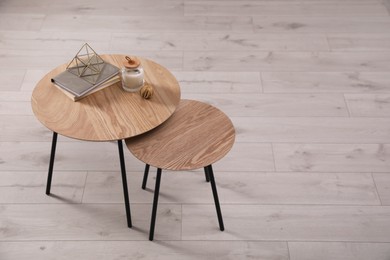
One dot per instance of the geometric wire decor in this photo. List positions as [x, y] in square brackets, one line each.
[87, 64]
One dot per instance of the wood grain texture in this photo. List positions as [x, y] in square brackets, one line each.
[71, 155]
[332, 157]
[21, 22]
[15, 96]
[326, 82]
[251, 188]
[109, 114]
[31, 79]
[382, 182]
[369, 105]
[285, 222]
[310, 24]
[196, 136]
[312, 130]
[338, 251]
[37, 59]
[37, 40]
[101, 8]
[21, 222]
[229, 41]
[359, 42]
[15, 108]
[386, 3]
[27, 187]
[287, 61]
[254, 157]
[162, 250]
[262, 8]
[13, 128]
[125, 23]
[11, 79]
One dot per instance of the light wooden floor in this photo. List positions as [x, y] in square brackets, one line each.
[306, 83]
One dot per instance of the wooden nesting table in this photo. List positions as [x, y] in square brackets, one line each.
[196, 136]
[110, 114]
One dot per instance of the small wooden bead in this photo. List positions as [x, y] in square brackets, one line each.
[146, 91]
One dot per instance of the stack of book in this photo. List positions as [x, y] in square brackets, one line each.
[76, 87]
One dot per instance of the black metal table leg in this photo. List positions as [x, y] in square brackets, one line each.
[206, 174]
[155, 202]
[146, 172]
[124, 183]
[216, 200]
[51, 164]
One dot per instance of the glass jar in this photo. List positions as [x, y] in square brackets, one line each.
[132, 74]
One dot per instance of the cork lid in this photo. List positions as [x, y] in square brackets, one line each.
[131, 62]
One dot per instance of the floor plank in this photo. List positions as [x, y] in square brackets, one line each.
[13, 128]
[21, 22]
[125, 23]
[38, 40]
[368, 105]
[326, 82]
[15, 108]
[251, 156]
[345, 8]
[37, 59]
[29, 187]
[332, 157]
[359, 42]
[170, 250]
[255, 42]
[307, 24]
[287, 61]
[229, 41]
[308, 223]
[338, 251]
[312, 130]
[387, 5]
[32, 77]
[382, 182]
[11, 79]
[102, 8]
[237, 188]
[86, 221]
[15, 96]
[70, 156]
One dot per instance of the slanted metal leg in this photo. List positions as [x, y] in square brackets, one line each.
[146, 172]
[155, 202]
[51, 164]
[206, 174]
[124, 183]
[215, 194]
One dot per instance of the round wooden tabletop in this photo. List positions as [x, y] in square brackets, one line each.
[195, 136]
[111, 113]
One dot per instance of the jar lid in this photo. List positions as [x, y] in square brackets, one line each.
[131, 62]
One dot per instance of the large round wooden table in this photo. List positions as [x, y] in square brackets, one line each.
[110, 114]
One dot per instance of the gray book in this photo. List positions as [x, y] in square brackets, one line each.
[79, 86]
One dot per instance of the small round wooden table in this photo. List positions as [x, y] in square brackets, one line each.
[110, 114]
[195, 136]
